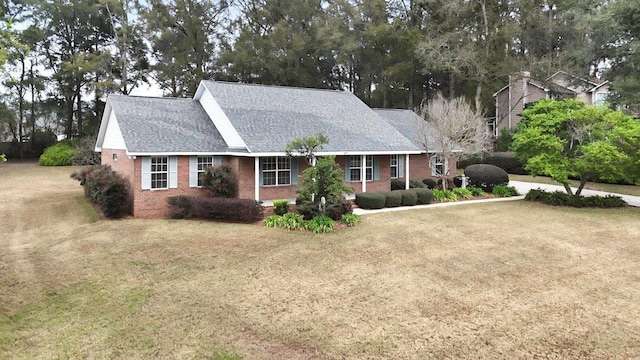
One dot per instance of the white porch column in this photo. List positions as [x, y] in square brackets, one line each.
[256, 180]
[406, 171]
[363, 172]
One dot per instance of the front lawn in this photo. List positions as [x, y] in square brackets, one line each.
[493, 280]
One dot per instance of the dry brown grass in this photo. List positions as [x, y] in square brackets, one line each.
[501, 280]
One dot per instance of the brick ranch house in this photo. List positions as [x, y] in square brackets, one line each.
[163, 145]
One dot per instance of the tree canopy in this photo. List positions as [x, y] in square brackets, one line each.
[567, 139]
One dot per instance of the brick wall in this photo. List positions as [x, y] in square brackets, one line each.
[153, 203]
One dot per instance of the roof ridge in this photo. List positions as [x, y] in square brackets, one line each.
[284, 87]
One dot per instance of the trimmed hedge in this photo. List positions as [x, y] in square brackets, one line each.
[105, 188]
[393, 198]
[373, 200]
[486, 176]
[563, 199]
[431, 184]
[217, 208]
[409, 198]
[504, 160]
[397, 185]
[423, 196]
[280, 206]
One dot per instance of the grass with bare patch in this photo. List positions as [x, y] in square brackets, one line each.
[500, 280]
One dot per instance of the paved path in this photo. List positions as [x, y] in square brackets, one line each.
[522, 187]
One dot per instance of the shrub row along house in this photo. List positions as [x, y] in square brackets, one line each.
[163, 145]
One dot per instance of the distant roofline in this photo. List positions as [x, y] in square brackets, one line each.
[237, 83]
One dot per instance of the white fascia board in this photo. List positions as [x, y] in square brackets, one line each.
[192, 153]
[597, 86]
[219, 118]
[268, 154]
[103, 125]
[501, 90]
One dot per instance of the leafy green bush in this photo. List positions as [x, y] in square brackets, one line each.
[350, 219]
[463, 193]
[397, 185]
[504, 191]
[106, 188]
[325, 179]
[292, 221]
[372, 200]
[3, 158]
[563, 199]
[60, 154]
[281, 206]
[221, 181]
[180, 207]
[431, 184]
[308, 209]
[320, 224]
[272, 221]
[476, 191]
[444, 195]
[424, 196]
[409, 197]
[393, 198]
[486, 176]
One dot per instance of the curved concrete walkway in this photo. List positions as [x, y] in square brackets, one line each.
[522, 187]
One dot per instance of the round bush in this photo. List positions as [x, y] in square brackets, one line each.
[486, 176]
[60, 154]
[397, 185]
[221, 181]
[431, 184]
[409, 198]
[416, 184]
[374, 200]
[424, 196]
[394, 198]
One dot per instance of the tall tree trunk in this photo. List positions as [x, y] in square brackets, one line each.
[79, 109]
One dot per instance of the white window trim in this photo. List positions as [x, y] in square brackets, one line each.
[152, 172]
[434, 163]
[366, 159]
[396, 166]
[202, 169]
[277, 171]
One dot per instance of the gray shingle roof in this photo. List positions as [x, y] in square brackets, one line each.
[412, 126]
[269, 117]
[165, 125]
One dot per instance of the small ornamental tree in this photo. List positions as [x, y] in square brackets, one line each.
[221, 181]
[565, 139]
[453, 130]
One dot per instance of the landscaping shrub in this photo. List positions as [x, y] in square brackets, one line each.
[85, 151]
[106, 188]
[409, 198]
[320, 224]
[272, 221]
[243, 210]
[423, 196]
[373, 200]
[335, 211]
[393, 198]
[350, 219]
[504, 191]
[486, 176]
[291, 221]
[463, 193]
[431, 184]
[563, 199]
[3, 158]
[506, 161]
[60, 154]
[308, 209]
[180, 207]
[397, 185]
[281, 206]
[417, 184]
[221, 181]
[444, 195]
[476, 191]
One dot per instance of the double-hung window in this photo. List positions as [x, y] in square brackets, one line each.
[159, 172]
[357, 168]
[276, 171]
[437, 165]
[204, 162]
[393, 161]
